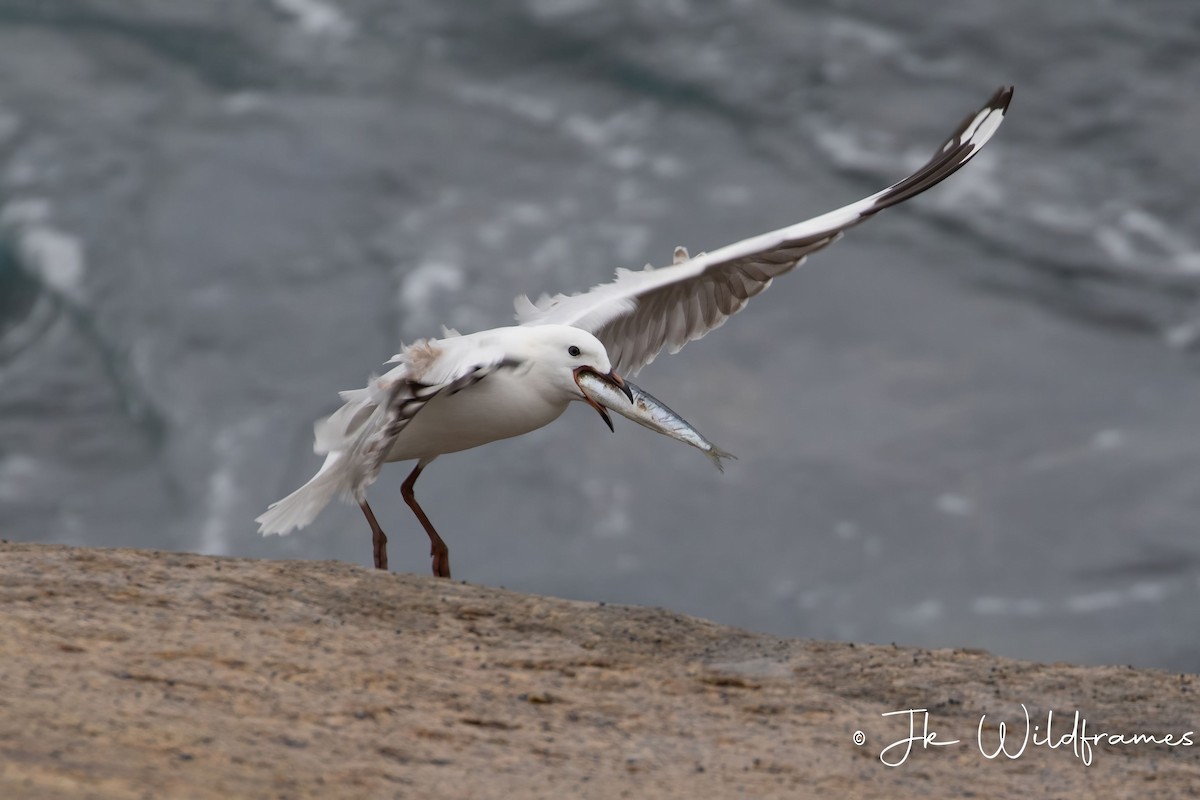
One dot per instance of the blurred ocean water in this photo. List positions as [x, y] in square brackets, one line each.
[972, 422]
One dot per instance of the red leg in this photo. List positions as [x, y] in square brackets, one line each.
[378, 539]
[437, 549]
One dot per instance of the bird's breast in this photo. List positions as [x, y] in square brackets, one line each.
[502, 405]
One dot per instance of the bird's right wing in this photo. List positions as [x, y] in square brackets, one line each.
[640, 313]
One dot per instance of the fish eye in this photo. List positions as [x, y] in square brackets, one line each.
[573, 351]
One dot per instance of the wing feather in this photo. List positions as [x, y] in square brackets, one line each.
[364, 430]
[397, 401]
[640, 313]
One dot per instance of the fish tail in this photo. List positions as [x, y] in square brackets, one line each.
[716, 454]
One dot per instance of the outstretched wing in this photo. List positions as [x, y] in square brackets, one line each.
[640, 313]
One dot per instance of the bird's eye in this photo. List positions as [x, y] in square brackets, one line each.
[573, 351]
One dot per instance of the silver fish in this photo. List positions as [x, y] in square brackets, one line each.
[649, 412]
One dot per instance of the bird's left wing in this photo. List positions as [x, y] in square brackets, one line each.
[373, 418]
[640, 313]
[358, 437]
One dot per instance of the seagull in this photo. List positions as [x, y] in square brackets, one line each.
[461, 391]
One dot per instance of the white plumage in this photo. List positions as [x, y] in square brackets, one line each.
[459, 392]
[468, 390]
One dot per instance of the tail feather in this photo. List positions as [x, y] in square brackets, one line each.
[336, 431]
[301, 507]
[351, 439]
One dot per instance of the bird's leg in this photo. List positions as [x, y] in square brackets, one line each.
[437, 549]
[378, 539]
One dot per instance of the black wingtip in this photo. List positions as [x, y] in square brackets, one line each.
[981, 124]
[971, 134]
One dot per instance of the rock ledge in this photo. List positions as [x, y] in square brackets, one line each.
[130, 673]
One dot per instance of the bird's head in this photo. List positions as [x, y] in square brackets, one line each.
[566, 354]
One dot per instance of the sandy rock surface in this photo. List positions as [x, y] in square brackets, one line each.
[129, 673]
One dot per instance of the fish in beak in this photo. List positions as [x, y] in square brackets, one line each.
[613, 379]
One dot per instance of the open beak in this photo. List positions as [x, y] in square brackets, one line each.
[612, 378]
[616, 381]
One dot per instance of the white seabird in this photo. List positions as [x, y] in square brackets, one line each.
[458, 392]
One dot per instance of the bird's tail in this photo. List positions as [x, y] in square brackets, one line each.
[345, 437]
[301, 507]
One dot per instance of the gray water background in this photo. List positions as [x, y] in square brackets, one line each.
[971, 422]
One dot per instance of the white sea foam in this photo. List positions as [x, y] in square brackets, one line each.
[429, 278]
[1060, 217]
[587, 130]
[556, 9]
[25, 211]
[55, 256]
[864, 38]
[782, 588]
[630, 241]
[1095, 601]
[317, 17]
[553, 251]
[616, 139]
[728, 195]
[923, 613]
[846, 530]
[10, 124]
[1108, 439]
[527, 107]
[954, 505]
[989, 606]
[853, 36]
[847, 149]
[225, 511]
[51, 255]
[609, 504]
[528, 213]
[1183, 335]
[222, 494]
[1138, 239]
[18, 475]
[667, 166]
[1081, 603]
[626, 563]
[812, 599]
[1092, 602]
[1147, 592]
[245, 102]
[419, 289]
